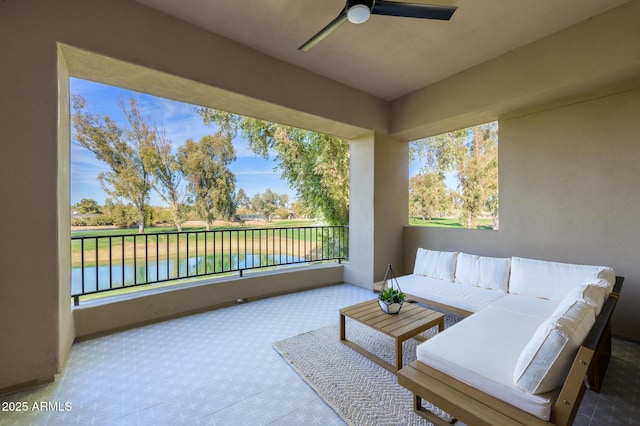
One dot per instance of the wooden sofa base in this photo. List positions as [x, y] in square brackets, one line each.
[478, 408]
[475, 407]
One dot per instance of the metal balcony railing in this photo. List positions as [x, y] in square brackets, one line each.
[107, 263]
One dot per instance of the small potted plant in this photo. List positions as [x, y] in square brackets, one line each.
[391, 297]
[390, 300]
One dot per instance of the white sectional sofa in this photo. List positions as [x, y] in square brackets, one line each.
[526, 321]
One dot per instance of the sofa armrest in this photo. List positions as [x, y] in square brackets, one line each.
[591, 361]
[599, 339]
[603, 322]
[617, 287]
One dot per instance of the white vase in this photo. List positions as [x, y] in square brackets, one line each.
[392, 308]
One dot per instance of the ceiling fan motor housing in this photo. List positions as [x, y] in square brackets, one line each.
[359, 11]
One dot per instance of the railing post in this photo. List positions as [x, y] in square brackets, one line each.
[97, 266]
[82, 263]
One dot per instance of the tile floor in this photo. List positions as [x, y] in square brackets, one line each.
[219, 368]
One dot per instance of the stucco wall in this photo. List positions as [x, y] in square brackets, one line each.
[377, 206]
[569, 192]
[581, 59]
[29, 287]
[101, 316]
[391, 206]
[124, 43]
[361, 209]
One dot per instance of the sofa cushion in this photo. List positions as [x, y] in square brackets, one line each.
[467, 298]
[480, 271]
[525, 305]
[436, 264]
[482, 351]
[547, 357]
[552, 280]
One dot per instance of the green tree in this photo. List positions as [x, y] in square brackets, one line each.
[282, 213]
[161, 165]
[299, 210]
[267, 203]
[205, 165]
[242, 200]
[472, 154]
[439, 154]
[478, 174]
[166, 175]
[88, 206]
[124, 215]
[243, 204]
[139, 155]
[428, 196]
[315, 165]
[120, 149]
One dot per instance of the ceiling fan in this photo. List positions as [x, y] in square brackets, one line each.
[358, 11]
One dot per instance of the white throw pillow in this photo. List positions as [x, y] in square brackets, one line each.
[545, 361]
[435, 264]
[486, 272]
[604, 283]
[552, 280]
[592, 294]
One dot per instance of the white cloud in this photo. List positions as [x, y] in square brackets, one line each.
[255, 172]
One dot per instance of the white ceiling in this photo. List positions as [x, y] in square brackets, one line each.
[386, 56]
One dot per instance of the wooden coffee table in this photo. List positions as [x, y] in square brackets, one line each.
[411, 321]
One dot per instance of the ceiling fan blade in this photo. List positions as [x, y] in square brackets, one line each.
[412, 10]
[323, 33]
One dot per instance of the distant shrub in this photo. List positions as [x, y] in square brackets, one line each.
[162, 215]
[79, 221]
[97, 220]
[101, 220]
[124, 216]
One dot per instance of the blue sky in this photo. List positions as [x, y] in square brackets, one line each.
[253, 173]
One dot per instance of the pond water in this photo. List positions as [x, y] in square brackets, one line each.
[164, 270]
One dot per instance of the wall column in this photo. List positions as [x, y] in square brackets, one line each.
[378, 207]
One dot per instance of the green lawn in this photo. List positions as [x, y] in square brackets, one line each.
[450, 222]
[161, 243]
[164, 229]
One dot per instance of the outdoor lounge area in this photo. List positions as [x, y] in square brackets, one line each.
[179, 372]
[561, 81]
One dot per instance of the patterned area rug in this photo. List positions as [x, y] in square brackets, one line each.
[359, 390]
